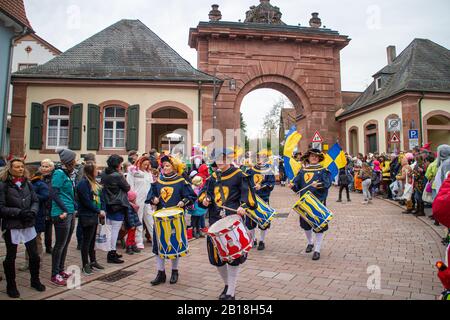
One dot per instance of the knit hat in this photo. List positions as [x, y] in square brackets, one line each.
[66, 155]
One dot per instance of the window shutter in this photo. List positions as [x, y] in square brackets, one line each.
[37, 118]
[76, 125]
[93, 132]
[133, 128]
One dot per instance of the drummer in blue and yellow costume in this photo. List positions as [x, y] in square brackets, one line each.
[230, 187]
[170, 190]
[264, 181]
[319, 180]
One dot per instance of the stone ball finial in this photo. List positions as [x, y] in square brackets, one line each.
[315, 21]
[215, 14]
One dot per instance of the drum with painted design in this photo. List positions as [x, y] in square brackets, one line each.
[313, 211]
[262, 215]
[230, 237]
[171, 233]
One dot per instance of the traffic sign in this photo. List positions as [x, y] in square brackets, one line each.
[394, 125]
[395, 138]
[317, 137]
[317, 145]
[413, 134]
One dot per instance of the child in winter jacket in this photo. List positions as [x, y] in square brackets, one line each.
[131, 223]
[195, 211]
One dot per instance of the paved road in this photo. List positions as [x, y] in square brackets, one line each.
[402, 248]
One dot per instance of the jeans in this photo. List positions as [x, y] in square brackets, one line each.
[9, 264]
[341, 188]
[79, 234]
[115, 229]
[202, 222]
[88, 244]
[366, 189]
[63, 235]
[195, 222]
[48, 233]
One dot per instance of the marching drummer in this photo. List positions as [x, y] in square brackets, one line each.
[264, 181]
[231, 188]
[170, 190]
[318, 179]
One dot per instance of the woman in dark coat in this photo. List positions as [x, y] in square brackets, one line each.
[19, 206]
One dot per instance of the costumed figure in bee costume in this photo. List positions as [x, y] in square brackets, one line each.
[227, 187]
[264, 181]
[319, 181]
[170, 190]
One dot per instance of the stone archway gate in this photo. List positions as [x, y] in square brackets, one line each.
[301, 62]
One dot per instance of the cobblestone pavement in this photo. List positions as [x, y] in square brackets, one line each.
[402, 247]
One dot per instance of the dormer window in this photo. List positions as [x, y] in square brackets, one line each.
[378, 84]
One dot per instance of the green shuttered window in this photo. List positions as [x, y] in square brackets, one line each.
[93, 131]
[76, 127]
[133, 128]
[37, 117]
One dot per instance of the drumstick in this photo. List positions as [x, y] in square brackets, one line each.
[309, 185]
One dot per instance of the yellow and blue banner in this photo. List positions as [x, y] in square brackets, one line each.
[334, 160]
[291, 166]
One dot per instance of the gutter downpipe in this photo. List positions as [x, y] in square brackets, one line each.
[199, 112]
[8, 85]
[421, 120]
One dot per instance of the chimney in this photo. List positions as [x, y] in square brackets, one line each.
[391, 54]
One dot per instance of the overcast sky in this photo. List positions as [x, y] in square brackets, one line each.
[371, 24]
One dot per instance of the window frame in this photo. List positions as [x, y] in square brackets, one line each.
[378, 83]
[104, 105]
[114, 120]
[59, 118]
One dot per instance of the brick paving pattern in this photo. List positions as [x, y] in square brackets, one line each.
[403, 247]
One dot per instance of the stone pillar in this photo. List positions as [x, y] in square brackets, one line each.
[410, 112]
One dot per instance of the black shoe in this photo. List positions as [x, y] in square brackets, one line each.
[261, 246]
[338, 200]
[136, 249]
[316, 256]
[113, 258]
[160, 278]
[228, 297]
[224, 293]
[348, 200]
[255, 243]
[407, 212]
[12, 292]
[97, 266]
[49, 250]
[436, 223]
[129, 250]
[36, 284]
[79, 246]
[309, 248]
[174, 277]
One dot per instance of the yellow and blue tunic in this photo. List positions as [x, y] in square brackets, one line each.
[237, 189]
[264, 176]
[170, 190]
[306, 176]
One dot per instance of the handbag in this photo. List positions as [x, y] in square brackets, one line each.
[394, 187]
[408, 190]
[427, 195]
[103, 238]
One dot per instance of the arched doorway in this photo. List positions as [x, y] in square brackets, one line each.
[353, 141]
[169, 126]
[301, 62]
[371, 137]
[437, 128]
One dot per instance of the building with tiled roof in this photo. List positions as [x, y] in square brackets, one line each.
[411, 91]
[122, 89]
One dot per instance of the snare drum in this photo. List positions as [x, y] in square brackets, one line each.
[230, 237]
[171, 234]
[262, 215]
[313, 211]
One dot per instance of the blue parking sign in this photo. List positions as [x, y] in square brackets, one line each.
[414, 134]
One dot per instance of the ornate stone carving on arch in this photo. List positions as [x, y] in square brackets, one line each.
[368, 132]
[426, 127]
[169, 104]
